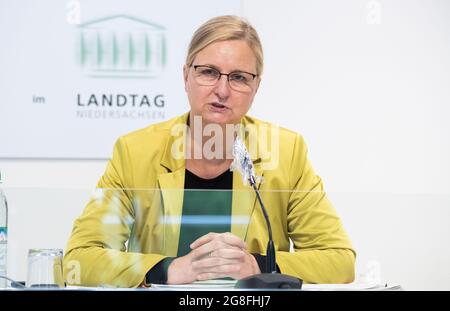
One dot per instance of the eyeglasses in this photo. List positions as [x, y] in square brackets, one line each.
[240, 81]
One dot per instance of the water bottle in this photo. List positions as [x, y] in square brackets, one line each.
[3, 237]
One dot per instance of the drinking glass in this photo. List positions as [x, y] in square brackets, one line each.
[45, 268]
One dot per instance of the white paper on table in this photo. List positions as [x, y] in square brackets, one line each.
[229, 285]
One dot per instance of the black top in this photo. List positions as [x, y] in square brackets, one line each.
[196, 223]
[222, 182]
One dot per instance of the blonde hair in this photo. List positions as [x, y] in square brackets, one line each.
[222, 28]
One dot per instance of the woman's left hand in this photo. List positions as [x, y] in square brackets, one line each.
[218, 255]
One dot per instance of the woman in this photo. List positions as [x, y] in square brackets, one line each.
[221, 75]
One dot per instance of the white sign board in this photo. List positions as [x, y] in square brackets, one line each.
[76, 75]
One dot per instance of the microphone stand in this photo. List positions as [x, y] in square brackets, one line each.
[272, 279]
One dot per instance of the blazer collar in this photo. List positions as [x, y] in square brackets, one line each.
[173, 156]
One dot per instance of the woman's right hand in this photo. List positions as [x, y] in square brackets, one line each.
[180, 270]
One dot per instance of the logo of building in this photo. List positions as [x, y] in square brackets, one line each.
[122, 46]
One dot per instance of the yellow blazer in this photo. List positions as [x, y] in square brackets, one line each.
[133, 220]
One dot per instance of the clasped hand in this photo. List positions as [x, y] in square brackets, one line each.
[214, 255]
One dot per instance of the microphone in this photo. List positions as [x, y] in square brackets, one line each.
[243, 163]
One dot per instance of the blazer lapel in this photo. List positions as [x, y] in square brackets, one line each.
[243, 204]
[171, 185]
[244, 197]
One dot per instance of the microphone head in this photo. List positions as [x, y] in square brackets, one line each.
[242, 162]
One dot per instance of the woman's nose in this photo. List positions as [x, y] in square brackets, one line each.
[222, 88]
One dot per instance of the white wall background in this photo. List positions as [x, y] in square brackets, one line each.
[371, 100]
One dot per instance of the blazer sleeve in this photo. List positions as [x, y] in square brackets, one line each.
[322, 250]
[96, 252]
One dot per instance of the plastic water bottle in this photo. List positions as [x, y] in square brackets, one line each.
[3, 237]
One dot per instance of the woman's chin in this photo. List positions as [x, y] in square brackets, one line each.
[218, 118]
